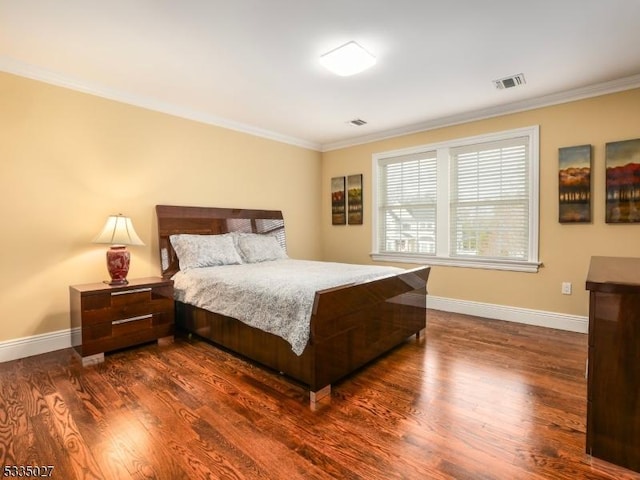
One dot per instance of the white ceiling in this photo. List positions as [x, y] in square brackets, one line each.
[253, 65]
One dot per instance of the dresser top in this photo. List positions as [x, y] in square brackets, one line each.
[606, 273]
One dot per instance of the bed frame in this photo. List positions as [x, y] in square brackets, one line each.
[350, 325]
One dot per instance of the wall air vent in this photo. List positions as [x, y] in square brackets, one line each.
[357, 122]
[510, 82]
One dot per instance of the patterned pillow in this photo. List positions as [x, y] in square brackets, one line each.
[259, 248]
[197, 251]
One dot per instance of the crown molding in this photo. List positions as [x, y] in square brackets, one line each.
[16, 67]
[22, 69]
[613, 86]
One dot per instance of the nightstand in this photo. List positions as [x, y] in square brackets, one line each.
[114, 317]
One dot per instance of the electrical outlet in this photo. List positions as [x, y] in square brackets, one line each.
[566, 288]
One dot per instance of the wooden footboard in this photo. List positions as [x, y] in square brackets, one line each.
[353, 325]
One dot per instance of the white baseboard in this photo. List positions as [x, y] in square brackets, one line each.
[540, 318]
[48, 342]
[37, 344]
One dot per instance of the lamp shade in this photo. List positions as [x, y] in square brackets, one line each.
[118, 231]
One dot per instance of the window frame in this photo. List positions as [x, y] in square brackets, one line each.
[443, 169]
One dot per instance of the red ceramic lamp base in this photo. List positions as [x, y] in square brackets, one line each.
[118, 258]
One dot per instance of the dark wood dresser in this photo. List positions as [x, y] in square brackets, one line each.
[613, 408]
[114, 317]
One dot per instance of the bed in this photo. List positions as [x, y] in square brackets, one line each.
[349, 325]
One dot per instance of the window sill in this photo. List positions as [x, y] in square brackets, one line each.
[509, 265]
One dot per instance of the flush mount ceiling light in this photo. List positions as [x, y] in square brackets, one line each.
[347, 59]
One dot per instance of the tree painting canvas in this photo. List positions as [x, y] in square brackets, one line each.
[574, 184]
[354, 195]
[623, 181]
[338, 201]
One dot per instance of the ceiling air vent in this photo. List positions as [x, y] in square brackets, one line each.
[357, 122]
[510, 82]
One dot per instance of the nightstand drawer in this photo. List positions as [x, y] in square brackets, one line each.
[110, 306]
[116, 328]
[124, 326]
[116, 299]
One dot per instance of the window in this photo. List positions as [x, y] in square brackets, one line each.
[468, 202]
[408, 207]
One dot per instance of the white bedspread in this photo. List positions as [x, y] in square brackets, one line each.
[275, 296]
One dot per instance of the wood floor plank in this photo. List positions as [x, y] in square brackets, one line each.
[105, 421]
[13, 422]
[268, 454]
[474, 399]
[46, 443]
[82, 460]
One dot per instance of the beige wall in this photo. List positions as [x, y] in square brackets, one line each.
[68, 160]
[565, 249]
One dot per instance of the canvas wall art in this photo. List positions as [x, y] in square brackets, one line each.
[574, 181]
[338, 201]
[622, 161]
[354, 199]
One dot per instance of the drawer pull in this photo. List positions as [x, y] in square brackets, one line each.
[131, 319]
[127, 292]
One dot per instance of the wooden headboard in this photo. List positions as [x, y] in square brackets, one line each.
[211, 221]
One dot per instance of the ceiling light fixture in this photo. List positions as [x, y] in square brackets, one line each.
[347, 59]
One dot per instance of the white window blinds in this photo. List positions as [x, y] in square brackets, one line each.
[407, 204]
[489, 200]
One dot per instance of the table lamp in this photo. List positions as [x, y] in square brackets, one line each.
[119, 232]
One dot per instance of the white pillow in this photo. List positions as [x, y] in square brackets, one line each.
[259, 248]
[197, 251]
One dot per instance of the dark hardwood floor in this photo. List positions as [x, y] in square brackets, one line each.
[477, 399]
